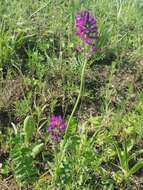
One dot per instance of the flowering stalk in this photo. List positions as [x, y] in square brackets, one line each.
[86, 30]
[79, 95]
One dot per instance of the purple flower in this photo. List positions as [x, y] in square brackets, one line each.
[86, 28]
[56, 128]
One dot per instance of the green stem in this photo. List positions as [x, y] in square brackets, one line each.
[78, 98]
[63, 148]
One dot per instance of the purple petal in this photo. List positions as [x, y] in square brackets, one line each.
[88, 41]
[86, 16]
[93, 49]
[59, 119]
[52, 118]
[92, 20]
[93, 26]
[63, 127]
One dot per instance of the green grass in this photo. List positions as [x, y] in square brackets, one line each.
[40, 73]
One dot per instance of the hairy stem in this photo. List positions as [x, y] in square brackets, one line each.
[63, 148]
[79, 96]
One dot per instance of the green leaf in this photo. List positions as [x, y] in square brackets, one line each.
[130, 144]
[119, 153]
[37, 149]
[29, 129]
[71, 130]
[23, 165]
[136, 167]
[125, 157]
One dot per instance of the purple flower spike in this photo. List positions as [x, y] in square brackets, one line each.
[56, 128]
[86, 28]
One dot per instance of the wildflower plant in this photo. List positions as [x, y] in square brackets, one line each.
[86, 31]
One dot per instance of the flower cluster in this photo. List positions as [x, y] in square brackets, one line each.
[86, 28]
[56, 128]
